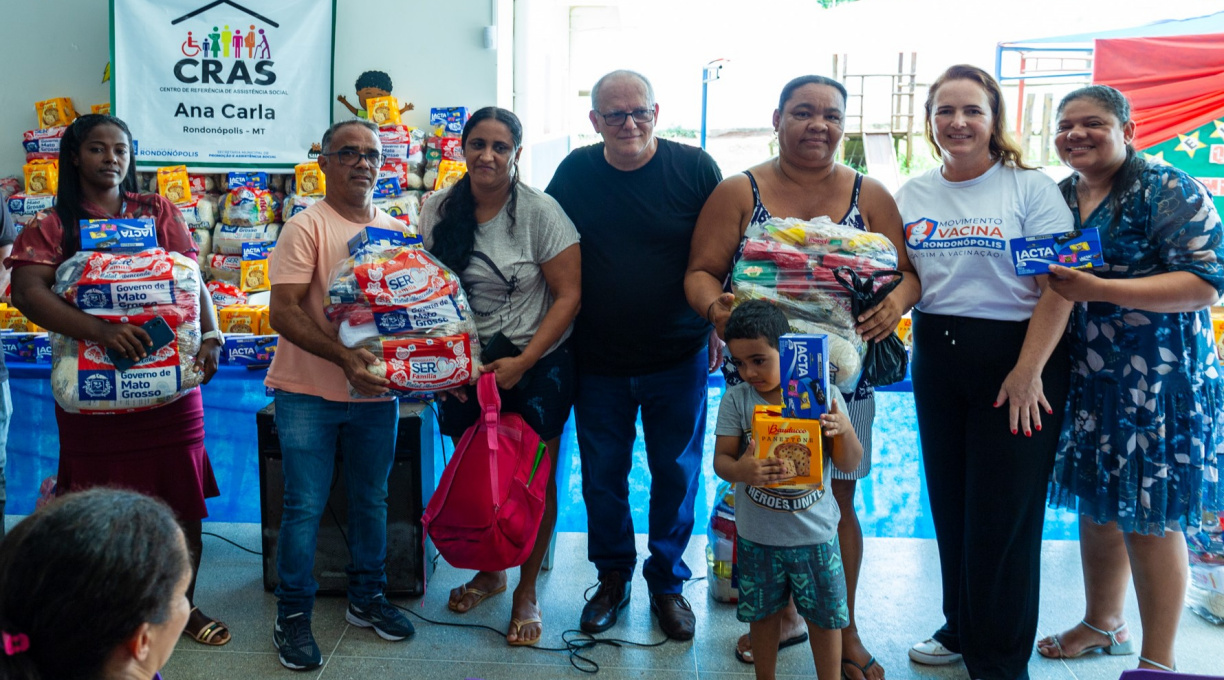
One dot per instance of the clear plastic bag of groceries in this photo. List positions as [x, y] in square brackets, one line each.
[720, 546]
[131, 288]
[790, 262]
[407, 308]
[1205, 595]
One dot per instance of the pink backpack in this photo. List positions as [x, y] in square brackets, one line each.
[487, 509]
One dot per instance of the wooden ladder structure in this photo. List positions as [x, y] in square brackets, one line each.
[872, 138]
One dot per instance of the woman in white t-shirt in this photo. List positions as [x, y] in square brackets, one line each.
[988, 361]
[516, 254]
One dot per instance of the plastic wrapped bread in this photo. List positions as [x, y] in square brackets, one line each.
[245, 206]
[228, 238]
[295, 204]
[130, 288]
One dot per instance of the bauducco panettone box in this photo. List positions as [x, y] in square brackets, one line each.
[794, 441]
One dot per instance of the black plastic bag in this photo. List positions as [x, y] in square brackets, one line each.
[886, 361]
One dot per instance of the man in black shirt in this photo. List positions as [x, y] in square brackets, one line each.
[635, 201]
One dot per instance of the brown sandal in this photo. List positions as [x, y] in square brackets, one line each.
[214, 633]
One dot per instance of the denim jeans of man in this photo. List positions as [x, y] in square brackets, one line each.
[673, 408]
[310, 430]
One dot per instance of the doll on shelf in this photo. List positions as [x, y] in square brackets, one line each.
[370, 85]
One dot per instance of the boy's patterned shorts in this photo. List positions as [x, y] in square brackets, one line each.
[811, 574]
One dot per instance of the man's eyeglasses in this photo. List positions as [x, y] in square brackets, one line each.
[349, 157]
[617, 118]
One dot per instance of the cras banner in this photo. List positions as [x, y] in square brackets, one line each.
[226, 84]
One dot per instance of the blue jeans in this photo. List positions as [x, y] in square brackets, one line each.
[310, 428]
[673, 406]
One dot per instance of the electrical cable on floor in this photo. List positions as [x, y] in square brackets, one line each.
[236, 545]
[576, 641]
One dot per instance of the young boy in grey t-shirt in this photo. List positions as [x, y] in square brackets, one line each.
[787, 546]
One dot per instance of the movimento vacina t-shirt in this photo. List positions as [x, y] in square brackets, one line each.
[958, 236]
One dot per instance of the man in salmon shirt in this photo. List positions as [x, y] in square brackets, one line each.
[311, 373]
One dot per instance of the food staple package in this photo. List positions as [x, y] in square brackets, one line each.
[383, 110]
[406, 207]
[1205, 596]
[295, 204]
[41, 177]
[225, 294]
[722, 570]
[42, 143]
[790, 262]
[403, 305]
[228, 239]
[309, 180]
[131, 288]
[225, 268]
[174, 184]
[56, 112]
[244, 207]
[201, 213]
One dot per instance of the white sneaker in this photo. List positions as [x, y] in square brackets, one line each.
[931, 653]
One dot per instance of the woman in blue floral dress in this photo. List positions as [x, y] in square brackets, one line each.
[1142, 442]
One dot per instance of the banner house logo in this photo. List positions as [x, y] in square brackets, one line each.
[225, 43]
[975, 232]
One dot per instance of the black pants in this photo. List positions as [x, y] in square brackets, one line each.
[987, 486]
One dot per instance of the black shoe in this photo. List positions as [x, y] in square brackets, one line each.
[675, 615]
[601, 611]
[296, 643]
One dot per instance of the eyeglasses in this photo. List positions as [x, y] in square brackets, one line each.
[617, 118]
[349, 157]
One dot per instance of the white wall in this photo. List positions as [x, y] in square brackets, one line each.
[434, 54]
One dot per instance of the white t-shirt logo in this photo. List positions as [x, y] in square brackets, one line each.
[916, 233]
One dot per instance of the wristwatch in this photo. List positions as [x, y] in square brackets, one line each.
[214, 335]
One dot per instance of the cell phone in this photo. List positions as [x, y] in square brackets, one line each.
[498, 347]
[159, 332]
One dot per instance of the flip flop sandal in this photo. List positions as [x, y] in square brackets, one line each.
[464, 591]
[863, 669]
[746, 657]
[1114, 648]
[214, 633]
[517, 628]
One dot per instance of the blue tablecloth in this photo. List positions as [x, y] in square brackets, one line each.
[230, 402]
[236, 393]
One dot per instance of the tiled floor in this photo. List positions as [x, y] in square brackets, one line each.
[898, 605]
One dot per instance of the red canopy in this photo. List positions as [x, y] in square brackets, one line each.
[1174, 83]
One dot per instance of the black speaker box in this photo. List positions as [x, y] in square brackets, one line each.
[409, 488]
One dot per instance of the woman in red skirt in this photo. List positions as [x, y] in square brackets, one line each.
[158, 452]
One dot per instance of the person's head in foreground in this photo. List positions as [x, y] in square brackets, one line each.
[92, 587]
